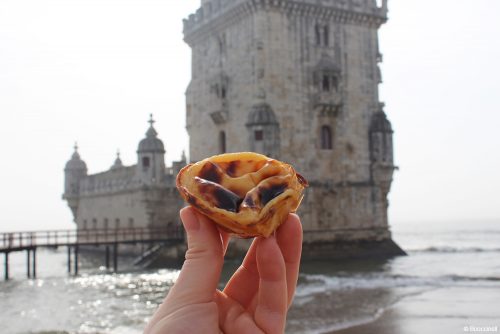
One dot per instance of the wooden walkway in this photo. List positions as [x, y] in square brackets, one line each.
[73, 239]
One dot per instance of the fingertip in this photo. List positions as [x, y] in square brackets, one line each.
[189, 219]
[291, 229]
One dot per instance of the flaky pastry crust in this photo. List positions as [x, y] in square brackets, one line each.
[246, 193]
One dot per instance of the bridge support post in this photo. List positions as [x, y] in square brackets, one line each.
[107, 257]
[28, 263]
[76, 260]
[34, 263]
[6, 266]
[115, 257]
[69, 259]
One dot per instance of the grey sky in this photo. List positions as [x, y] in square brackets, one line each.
[93, 70]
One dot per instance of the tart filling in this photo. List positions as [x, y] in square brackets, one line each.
[247, 194]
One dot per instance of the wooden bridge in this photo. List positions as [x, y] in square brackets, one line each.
[74, 239]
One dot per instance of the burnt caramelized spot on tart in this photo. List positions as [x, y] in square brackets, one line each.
[246, 193]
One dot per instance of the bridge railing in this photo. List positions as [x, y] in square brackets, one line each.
[13, 240]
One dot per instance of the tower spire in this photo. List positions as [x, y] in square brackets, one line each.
[151, 120]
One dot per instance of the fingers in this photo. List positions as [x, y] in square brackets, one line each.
[225, 239]
[201, 270]
[233, 318]
[243, 285]
[289, 237]
[272, 298]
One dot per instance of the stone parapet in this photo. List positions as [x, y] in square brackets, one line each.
[223, 13]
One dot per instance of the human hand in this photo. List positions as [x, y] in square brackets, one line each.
[256, 298]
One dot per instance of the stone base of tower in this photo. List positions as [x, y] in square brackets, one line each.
[351, 249]
[333, 245]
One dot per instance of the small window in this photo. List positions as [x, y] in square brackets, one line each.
[223, 92]
[131, 223]
[258, 135]
[221, 40]
[222, 142]
[85, 224]
[326, 138]
[145, 162]
[106, 223]
[117, 223]
[94, 223]
[317, 30]
[326, 35]
[326, 83]
[334, 83]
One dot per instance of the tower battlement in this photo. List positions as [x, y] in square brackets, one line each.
[365, 12]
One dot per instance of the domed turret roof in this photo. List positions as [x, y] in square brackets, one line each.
[261, 114]
[76, 163]
[380, 123]
[118, 162]
[326, 63]
[151, 143]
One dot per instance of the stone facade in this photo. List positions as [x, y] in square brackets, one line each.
[298, 81]
[142, 195]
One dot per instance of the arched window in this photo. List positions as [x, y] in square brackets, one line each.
[222, 142]
[326, 138]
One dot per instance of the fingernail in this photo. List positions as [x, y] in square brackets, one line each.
[189, 219]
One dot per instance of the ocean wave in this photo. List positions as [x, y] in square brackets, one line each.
[314, 284]
[451, 249]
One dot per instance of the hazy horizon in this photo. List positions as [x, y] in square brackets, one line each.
[92, 72]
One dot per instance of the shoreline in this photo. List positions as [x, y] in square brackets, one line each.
[445, 310]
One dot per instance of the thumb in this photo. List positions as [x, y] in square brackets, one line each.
[201, 270]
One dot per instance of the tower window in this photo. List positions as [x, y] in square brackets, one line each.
[326, 83]
[222, 142]
[322, 35]
[329, 82]
[258, 135]
[145, 162]
[326, 138]
[317, 30]
[326, 33]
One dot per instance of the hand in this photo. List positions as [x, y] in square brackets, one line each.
[256, 298]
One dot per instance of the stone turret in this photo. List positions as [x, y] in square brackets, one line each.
[118, 162]
[151, 157]
[381, 151]
[263, 129]
[74, 171]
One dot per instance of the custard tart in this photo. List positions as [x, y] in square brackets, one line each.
[246, 194]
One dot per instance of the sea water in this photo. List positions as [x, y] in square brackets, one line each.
[330, 295]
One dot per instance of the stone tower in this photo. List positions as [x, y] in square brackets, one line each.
[298, 81]
[151, 157]
[74, 171]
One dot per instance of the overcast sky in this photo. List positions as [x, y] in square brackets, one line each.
[93, 70]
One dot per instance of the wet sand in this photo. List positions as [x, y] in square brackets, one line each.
[442, 310]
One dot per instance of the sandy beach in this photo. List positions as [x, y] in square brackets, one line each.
[443, 310]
